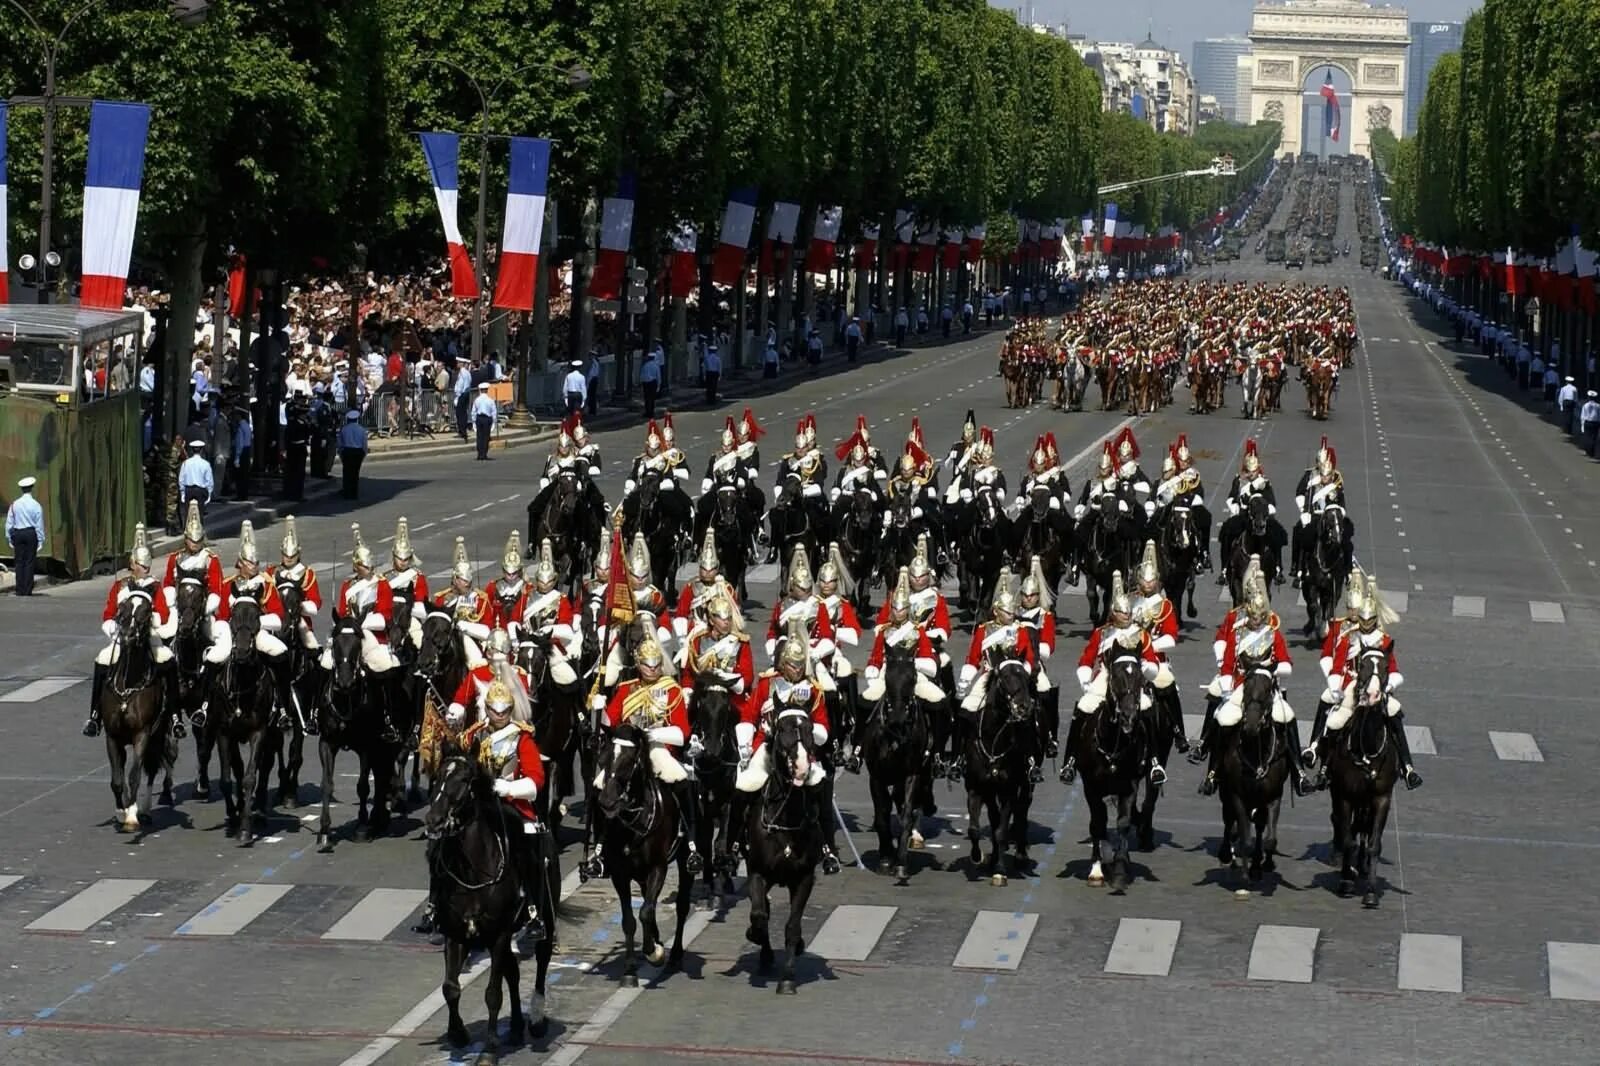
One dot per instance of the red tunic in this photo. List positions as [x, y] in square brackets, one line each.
[677, 711]
[818, 626]
[310, 590]
[482, 610]
[505, 606]
[650, 599]
[1102, 640]
[122, 588]
[1280, 653]
[924, 646]
[419, 585]
[383, 606]
[1166, 625]
[213, 574]
[700, 642]
[271, 603]
[1345, 664]
[470, 692]
[1042, 627]
[1021, 647]
[842, 617]
[529, 765]
[936, 621]
[756, 708]
[1335, 637]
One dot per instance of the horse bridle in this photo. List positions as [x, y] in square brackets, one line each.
[452, 830]
[638, 818]
[1008, 724]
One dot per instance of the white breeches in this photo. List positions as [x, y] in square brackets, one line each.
[308, 637]
[1164, 678]
[267, 643]
[414, 632]
[839, 666]
[1095, 695]
[1043, 682]
[561, 671]
[1232, 710]
[377, 657]
[469, 647]
[668, 770]
[925, 690]
[973, 701]
[753, 778]
[1340, 716]
[112, 652]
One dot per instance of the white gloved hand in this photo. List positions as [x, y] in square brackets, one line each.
[1122, 505]
[695, 748]
[502, 787]
[745, 751]
[1305, 518]
[109, 627]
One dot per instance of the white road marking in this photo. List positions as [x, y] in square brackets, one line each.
[996, 941]
[1420, 737]
[1543, 611]
[1144, 947]
[233, 910]
[7, 880]
[94, 903]
[1284, 953]
[1574, 971]
[483, 507]
[1430, 962]
[43, 688]
[1467, 606]
[851, 932]
[1515, 747]
[377, 914]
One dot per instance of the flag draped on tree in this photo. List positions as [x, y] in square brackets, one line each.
[734, 243]
[975, 238]
[524, 228]
[867, 247]
[681, 272]
[616, 230]
[824, 235]
[781, 226]
[1330, 108]
[1108, 232]
[117, 135]
[443, 151]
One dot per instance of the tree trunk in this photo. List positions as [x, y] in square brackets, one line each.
[173, 366]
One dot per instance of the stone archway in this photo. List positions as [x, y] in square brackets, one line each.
[1368, 44]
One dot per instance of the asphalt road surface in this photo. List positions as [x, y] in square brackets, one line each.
[1478, 521]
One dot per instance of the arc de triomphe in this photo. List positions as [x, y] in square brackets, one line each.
[1293, 39]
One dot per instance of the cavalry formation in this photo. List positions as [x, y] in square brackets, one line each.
[1138, 345]
[589, 672]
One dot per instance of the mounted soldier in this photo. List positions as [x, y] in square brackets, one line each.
[1132, 479]
[510, 755]
[588, 452]
[956, 457]
[1320, 487]
[367, 599]
[696, 597]
[507, 590]
[1102, 483]
[1156, 615]
[1181, 488]
[832, 580]
[999, 640]
[408, 586]
[653, 461]
[1121, 635]
[249, 583]
[291, 572]
[718, 648]
[978, 473]
[790, 688]
[800, 606]
[469, 694]
[749, 433]
[723, 468]
[806, 462]
[1045, 470]
[1036, 614]
[1369, 638]
[859, 469]
[651, 613]
[195, 563]
[470, 607]
[543, 615]
[140, 582]
[1251, 482]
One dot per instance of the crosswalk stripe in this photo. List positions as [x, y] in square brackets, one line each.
[91, 905]
[1144, 947]
[43, 688]
[1284, 953]
[851, 932]
[1420, 737]
[233, 910]
[1398, 600]
[1544, 611]
[1574, 971]
[1467, 606]
[7, 880]
[1430, 962]
[996, 941]
[1516, 747]
[377, 914]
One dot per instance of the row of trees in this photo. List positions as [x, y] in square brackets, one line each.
[1507, 150]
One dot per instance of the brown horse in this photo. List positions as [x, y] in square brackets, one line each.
[1319, 390]
[133, 705]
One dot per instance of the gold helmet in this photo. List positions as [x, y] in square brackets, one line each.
[1037, 585]
[1355, 591]
[1252, 572]
[500, 643]
[1252, 460]
[544, 571]
[247, 543]
[1257, 605]
[1374, 612]
[900, 598]
[1185, 457]
[729, 434]
[800, 570]
[649, 654]
[140, 555]
[402, 542]
[721, 607]
[1324, 463]
[498, 698]
[1005, 597]
[511, 561]
[834, 572]
[360, 555]
[1120, 603]
[194, 531]
[1149, 570]
[1169, 465]
[908, 463]
[709, 563]
[796, 650]
[290, 547]
[460, 565]
[639, 559]
[1108, 465]
[969, 428]
[919, 561]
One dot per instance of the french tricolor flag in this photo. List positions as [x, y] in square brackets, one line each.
[824, 235]
[950, 255]
[616, 229]
[737, 221]
[682, 271]
[524, 229]
[975, 238]
[1108, 232]
[442, 151]
[5, 263]
[867, 247]
[781, 227]
[117, 135]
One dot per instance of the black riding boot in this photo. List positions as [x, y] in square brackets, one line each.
[389, 735]
[1050, 722]
[1208, 784]
[1291, 736]
[1202, 744]
[961, 728]
[1315, 762]
[683, 792]
[202, 686]
[91, 727]
[1297, 552]
[1397, 729]
[171, 706]
[829, 827]
[283, 713]
[427, 920]
[1069, 769]
[593, 866]
[1172, 706]
[524, 852]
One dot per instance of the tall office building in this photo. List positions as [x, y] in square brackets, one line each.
[1429, 41]
[1216, 73]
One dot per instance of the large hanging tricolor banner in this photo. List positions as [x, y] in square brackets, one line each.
[5, 264]
[781, 226]
[681, 271]
[867, 247]
[927, 250]
[975, 239]
[824, 235]
[734, 242]
[443, 153]
[117, 134]
[1330, 108]
[1108, 231]
[616, 230]
[524, 228]
[950, 255]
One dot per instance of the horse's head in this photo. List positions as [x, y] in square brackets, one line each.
[1039, 501]
[900, 510]
[440, 649]
[625, 765]
[564, 502]
[1372, 676]
[727, 504]
[1256, 697]
[714, 718]
[1112, 509]
[533, 655]
[647, 494]
[1013, 690]
[899, 685]
[293, 597]
[344, 645]
[789, 491]
[1125, 686]
[190, 604]
[1328, 527]
[133, 621]
[864, 507]
[456, 790]
[1181, 535]
[244, 624]
[790, 747]
[1258, 513]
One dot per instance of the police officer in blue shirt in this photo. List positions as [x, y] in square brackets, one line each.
[25, 531]
[196, 480]
[352, 452]
[484, 413]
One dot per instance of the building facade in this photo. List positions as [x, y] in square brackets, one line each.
[1429, 41]
[1216, 71]
[1147, 80]
[1293, 41]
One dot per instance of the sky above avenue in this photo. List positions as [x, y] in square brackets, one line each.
[1179, 23]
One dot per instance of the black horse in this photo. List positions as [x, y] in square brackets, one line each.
[735, 527]
[663, 516]
[1327, 569]
[1250, 779]
[1040, 530]
[1179, 549]
[350, 718]
[239, 714]
[133, 707]
[640, 842]
[473, 886]
[570, 522]
[982, 537]
[1254, 534]
[1108, 538]
[795, 519]
[556, 712]
[858, 524]
[1111, 758]
[897, 543]
[1002, 748]
[784, 843]
[440, 668]
[893, 740]
[306, 682]
[1362, 768]
[189, 649]
[712, 717]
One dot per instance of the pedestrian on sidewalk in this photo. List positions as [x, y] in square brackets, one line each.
[814, 350]
[1589, 421]
[769, 361]
[852, 339]
[947, 317]
[297, 447]
[966, 317]
[1567, 403]
[352, 453]
[1552, 382]
[902, 322]
[650, 378]
[484, 413]
[575, 387]
[1535, 373]
[711, 365]
[195, 478]
[25, 531]
[922, 320]
[243, 439]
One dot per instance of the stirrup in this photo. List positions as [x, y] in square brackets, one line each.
[1413, 779]
[1035, 773]
[1051, 748]
[534, 931]
[1069, 771]
[179, 730]
[830, 862]
[91, 727]
[1180, 743]
[425, 924]
[1208, 785]
[198, 718]
[693, 862]
[1158, 776]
